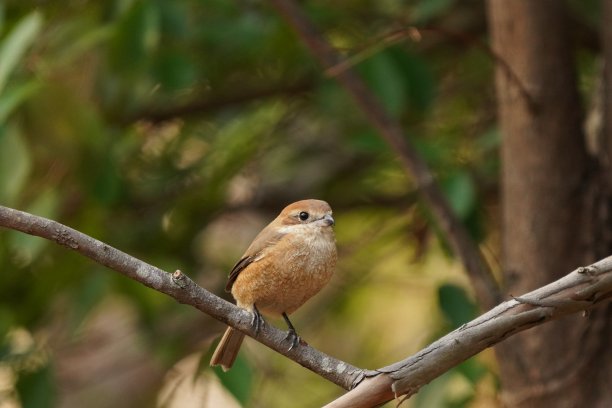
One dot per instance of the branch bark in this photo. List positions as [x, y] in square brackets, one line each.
[581, 290]
[485, 287]
[180, 287]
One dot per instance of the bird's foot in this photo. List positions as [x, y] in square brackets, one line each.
[291, 333]
[257, 321]
[293, 338]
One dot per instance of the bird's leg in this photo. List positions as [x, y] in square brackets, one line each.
[292, 335]
[257, 321]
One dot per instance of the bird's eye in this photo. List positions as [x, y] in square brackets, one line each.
[303, 215]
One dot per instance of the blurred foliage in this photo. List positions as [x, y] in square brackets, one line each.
[175, 130]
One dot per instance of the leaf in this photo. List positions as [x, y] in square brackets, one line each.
[16, 43]
[455, 304]
[76, 47]
[174, 70]
[239, 380]
[6, 322]
[89, 294]
[419, 83]
[461, 193]
[14, 164]
[15, 95]
[428, 9]
[368, 141]
[36, 389]
[386, 80]
[136, 37]
[473, 370]
[434, 393]
[236, 143]
[107, 181]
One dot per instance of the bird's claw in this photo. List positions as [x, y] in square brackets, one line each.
[257, 322]
[293, 338]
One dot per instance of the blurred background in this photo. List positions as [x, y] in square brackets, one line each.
[175, 131]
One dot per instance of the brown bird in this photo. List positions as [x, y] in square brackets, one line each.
[289, 261]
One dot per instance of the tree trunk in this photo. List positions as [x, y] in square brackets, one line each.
[546, 180]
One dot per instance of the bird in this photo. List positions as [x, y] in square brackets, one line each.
[287, 263]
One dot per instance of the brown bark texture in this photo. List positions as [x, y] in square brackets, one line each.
[547, 178]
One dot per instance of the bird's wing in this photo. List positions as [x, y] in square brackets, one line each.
[266, 238]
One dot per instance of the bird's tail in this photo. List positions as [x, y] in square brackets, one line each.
[227, 349]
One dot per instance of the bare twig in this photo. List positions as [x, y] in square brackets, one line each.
[580, 290]
[482, 280]
[415, 33]
[180, 287]
[214, 103]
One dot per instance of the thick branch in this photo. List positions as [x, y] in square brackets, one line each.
[484, 285]
[580, 290]
[183, 289]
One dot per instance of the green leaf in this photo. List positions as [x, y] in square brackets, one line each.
[107, 181]
[6, 322]
[428, 9]
[490, 139]
[174, 70]
[386, 80]
[455, 304]
[15, 95]
[461, 193]
[418, 81]
[136, 37]
[16, 43]
[36, 389]
[368, 141]
[239, 380]
[76, 47]
[2, 15]
[472, 369]
[236, 143]
[14, 164]
[434, 394]
[88, 295]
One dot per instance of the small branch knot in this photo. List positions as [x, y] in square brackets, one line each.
[587, 270]
[179, 279]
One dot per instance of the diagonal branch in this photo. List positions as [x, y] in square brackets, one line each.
[580, 290]
[485, 287]
[183, 289]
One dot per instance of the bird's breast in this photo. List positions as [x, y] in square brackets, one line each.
[289, 273]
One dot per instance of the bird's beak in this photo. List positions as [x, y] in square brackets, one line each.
[329, 220]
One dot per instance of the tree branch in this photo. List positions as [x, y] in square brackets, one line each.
[214, 103]
[180, 287]
[485, 287]
[581, 290]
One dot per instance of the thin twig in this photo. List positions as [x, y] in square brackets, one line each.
[415, 34]
[180, 287]
[213, 103]
[485, 287]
